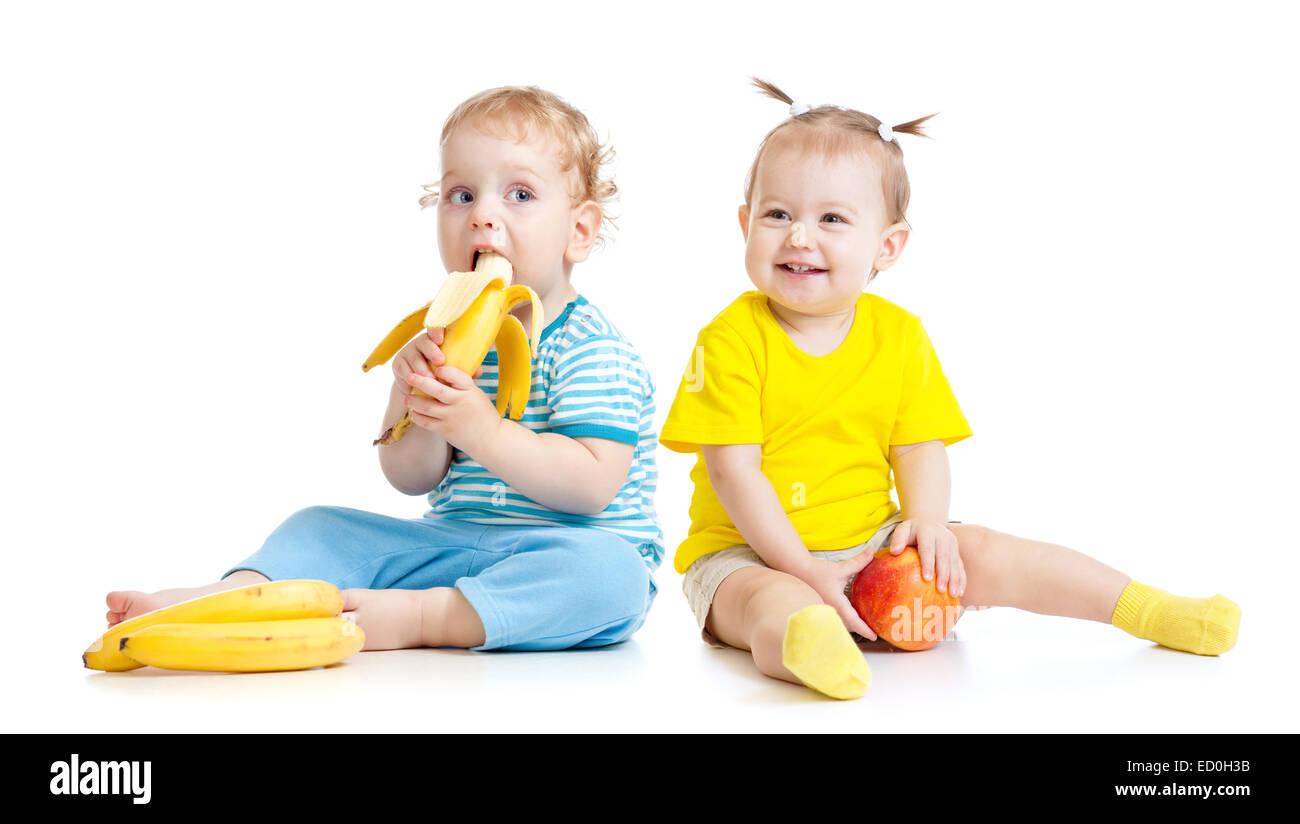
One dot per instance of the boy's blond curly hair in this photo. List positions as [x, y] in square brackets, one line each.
[525, 110]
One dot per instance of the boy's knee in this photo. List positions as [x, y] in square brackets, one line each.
[309, 525]
[312, 517]
[626, 586]
[619, 580]
[574, 589]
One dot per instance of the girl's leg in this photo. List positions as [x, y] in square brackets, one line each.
[1004, 570]
[789, 632]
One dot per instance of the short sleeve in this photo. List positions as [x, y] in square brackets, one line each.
[927, 408]
[718, 400]
[598, 390]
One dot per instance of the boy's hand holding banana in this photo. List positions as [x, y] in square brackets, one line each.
[473, 310]
[451, 406]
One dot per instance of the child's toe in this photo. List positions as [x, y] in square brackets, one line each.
[118, 601]
[125, 603]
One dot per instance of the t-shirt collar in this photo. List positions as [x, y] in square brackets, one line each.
[564, 316]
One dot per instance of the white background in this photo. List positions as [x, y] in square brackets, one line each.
[209, 218]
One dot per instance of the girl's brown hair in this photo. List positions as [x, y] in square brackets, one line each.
[835, 129]
[523, 110]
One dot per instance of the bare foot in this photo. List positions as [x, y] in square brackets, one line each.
[124, 604]
[390, 618]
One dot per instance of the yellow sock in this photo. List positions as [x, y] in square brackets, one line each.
[821, 654]
[1205, 626]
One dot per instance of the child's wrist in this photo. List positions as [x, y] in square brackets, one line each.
[481, 447]
[799, 565]
[926, 517]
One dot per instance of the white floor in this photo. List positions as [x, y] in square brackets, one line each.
[1003, 671]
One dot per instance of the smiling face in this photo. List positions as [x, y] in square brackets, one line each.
[816, 227]
[512, 197]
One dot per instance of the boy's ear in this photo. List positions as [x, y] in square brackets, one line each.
[892, 241]
[587, 218]
[744, 222]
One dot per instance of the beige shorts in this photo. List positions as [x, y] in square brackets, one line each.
[705, 575]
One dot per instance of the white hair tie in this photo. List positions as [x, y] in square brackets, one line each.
[797, 108]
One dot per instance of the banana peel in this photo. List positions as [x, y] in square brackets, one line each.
[474, 309]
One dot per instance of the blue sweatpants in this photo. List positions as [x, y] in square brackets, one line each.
[533, 587]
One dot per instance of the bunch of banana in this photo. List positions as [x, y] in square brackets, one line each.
[280, 625]
[474, 307]
[246, 646]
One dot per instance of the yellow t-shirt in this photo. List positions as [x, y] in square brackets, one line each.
[825, 424]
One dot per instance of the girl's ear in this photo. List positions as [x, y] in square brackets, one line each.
[892, 241]
[587, 218]
[744, 222]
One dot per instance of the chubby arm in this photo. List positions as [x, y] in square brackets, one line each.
[923, 479]
[417, 463]
[924, 487]
[735, 471]
[575, 475]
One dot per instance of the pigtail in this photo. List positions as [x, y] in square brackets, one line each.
[431, 198]
[914, 127]
[772, 91]
[832, 128]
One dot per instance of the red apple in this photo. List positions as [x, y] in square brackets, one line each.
[899, 605]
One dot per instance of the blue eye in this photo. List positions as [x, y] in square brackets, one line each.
[520, 195]
[461, 197]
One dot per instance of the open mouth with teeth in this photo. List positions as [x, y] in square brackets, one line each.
[797, 269]
[478, 251]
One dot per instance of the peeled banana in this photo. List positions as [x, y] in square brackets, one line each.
[474, 307]
[272, 601]
[252, 646]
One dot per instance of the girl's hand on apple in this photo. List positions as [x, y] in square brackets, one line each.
[937, 546]
[829, 579]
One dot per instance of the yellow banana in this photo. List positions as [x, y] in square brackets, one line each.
[275, 600]
[474, 307]
[254, 646]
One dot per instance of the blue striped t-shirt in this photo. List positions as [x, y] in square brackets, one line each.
[588, 381]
